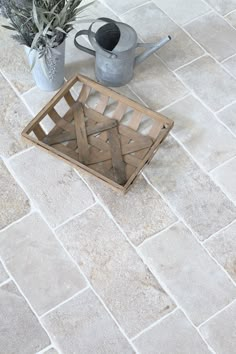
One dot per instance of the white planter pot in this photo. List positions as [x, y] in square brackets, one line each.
[49, 77]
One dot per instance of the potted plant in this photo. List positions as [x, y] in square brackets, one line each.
[42, 27]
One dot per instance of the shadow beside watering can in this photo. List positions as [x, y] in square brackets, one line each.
[115, 46]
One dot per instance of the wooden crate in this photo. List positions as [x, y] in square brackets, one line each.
[102, 132]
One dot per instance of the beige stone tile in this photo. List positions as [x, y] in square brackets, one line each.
[120, 7]
[189, 190]
[13, 202]
[227, 116]
[13, 61]
[222, 6]
[114, 269]
[155, 84]
[3, 274]
[223, 248]
[195, 280]
[210, 82]
[216, 36]
[182, 11]
[230, 65]
[140, 213]
[220, 331]
[82, 325]
[96, 10]
[20, 331]
[52, 184]
[225, 176]
[14, 117]
[231, 18]
[38, 252]
[205, 138]
[152, 25]
[184, 338]
[36, 99]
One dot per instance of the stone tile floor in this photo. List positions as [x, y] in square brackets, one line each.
[86, 270]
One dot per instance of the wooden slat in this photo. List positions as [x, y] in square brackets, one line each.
[81, 135]
[68, 136]
[135, 120]
[116, 155]
[67, 151]
[130, 133]
[69, 99]
[101, 105]
[155, 130]
[120, 110]
[39, 132]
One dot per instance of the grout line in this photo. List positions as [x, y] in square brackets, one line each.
[229, 13]
[196, 18]
[74, 216]
[222, 164]
[45, 349]
[5, 282]
[16, 221]
[134, 8]
[218, 232]
[20, 153]
[160, 232]
[217, 313]
[219, 14]
[231, 56]
[192, 231]
[225, 107]
[26, 92]
[190, 62]
[29, 305]
[65, 302]
[174, 102]
[154, 324]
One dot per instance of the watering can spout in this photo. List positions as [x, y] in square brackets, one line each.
[151, 48]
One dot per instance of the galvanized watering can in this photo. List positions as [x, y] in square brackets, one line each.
[115, 46]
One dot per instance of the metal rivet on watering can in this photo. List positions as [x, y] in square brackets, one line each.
[115, 46]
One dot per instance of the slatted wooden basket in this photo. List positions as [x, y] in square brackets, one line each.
[99, 130]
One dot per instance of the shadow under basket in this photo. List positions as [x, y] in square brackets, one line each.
[102, 132]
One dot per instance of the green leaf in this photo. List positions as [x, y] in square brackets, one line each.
[9, 28]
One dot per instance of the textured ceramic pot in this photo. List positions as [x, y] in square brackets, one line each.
[48, 73]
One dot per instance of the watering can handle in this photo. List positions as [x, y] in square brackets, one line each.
[81, 47]
[92, 39]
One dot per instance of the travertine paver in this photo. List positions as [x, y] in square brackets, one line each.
[186, 85]
[123, 6]
[230, 65]
[184, 338]
[117, 273]
[3, 274]
[191, 192]
[14, 117]
[20, 331]
[231, 18]
[222, 6]
[207, 140]
[152, 25]
[223, 247]
[135, 211]
[41, 267]
[13, 61]
[227, 116]
[220, 331]
[214, 34]
[225, 175]
[82, 325]
[174, 9]
[200, 286]
[210, 82]
[153, 73]
[53, 185]
[14, 204]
